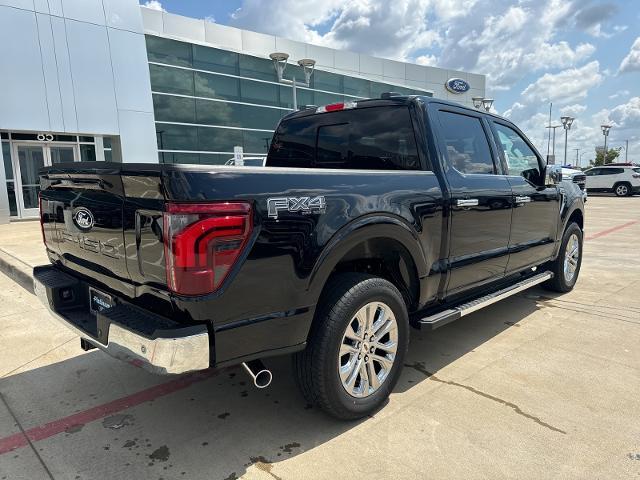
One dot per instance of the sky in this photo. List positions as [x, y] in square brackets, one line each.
[581, 55]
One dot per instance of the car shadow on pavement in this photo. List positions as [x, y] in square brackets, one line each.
[215, 427]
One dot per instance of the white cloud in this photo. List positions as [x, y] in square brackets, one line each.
[210, 19]
[566, 86]
[154, 5]
[428, 60]
[631, 63]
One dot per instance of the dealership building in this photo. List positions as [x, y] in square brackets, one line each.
[110, 80]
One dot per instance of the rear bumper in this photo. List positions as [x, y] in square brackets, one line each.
[126, 332]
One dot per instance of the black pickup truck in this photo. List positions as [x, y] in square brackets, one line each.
[369, 217]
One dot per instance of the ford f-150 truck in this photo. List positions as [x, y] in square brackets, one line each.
[369, 217]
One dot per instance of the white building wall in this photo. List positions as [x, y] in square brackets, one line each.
[76, 66]
[379, 69]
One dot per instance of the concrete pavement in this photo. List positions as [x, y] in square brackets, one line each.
[536, 386]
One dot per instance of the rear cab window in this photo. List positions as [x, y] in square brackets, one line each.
[369, 138]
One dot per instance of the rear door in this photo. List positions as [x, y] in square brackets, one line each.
[536, 208]
[480, 202]
[82, 219]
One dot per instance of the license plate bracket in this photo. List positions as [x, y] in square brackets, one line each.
[99, 301]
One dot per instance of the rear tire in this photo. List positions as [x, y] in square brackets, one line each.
[622, 189]
[356, 347]
[566, 267]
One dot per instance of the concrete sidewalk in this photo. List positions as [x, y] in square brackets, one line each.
[21, 249]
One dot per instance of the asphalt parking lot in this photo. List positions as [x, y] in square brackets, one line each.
[536, 386]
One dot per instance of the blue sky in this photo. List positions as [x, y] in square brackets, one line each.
[583, 55]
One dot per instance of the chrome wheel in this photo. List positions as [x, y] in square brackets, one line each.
[368, 349]
[571, 258]
[622, 190]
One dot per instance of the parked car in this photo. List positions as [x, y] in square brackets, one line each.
[621, 179]
[572, 175]
[370, 217]
[247, 162]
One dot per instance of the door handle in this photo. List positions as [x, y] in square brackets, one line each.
[467, 202]
[523, 199]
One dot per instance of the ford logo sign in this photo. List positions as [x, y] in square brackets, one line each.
[83, 218]
[457, 85]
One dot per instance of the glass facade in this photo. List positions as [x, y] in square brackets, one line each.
[207, 100]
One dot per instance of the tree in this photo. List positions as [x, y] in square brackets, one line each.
[612, 154]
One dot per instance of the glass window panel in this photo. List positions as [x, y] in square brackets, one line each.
[467, 147]
[253, 67]
[163, 50]
[87, 139]
[378, 89]
[357, 87]
[331, 82]
[108, 157]
[218, 113]
[174, 109]
[261, 93]
[214, 60]
[259, 117]
[106, 142]
[178, 157]
[171, 80]
[256, 142]
[521, 160]
[218, 139]
[176, 137]
[6, 158]
[24, 136]
[64, 154]
[326, 98]
[88, 153]
[217, 86]
[13, 206]
[305, 97]
[215, 158]
[67, 138]
[4, 135]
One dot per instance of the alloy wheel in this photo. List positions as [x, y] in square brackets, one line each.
[571, 258]
[368, 349]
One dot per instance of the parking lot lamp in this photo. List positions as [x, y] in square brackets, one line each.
[487, 103]
[280, 64]
[477, 101]
[566, 124]
[605, 132]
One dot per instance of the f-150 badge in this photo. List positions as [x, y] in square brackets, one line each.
[305, 205]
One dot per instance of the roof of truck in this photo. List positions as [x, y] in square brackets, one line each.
[381, 102]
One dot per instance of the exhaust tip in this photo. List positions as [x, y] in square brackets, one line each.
[260, 375]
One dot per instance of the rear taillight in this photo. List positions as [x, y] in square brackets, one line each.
[44, 239]
[202, 243]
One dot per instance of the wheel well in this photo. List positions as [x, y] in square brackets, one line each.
[386, 258]
[578, 218]
[621, 182]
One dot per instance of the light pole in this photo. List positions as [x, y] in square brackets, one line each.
[566, 124]
[487, 103]
[605, 132]
[577, 158]
[280, 64]
[626, 151]
[553, 152]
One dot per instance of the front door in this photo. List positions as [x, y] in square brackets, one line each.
[536, 209]
[480, 217]
[29, 159]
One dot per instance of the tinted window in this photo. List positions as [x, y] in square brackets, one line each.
[163, 50]
[378, 138]
[611, 171]
[637, 170]
[467, 148]
[520, 158]
[593, 172]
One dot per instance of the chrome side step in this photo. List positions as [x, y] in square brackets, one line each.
[447, 316]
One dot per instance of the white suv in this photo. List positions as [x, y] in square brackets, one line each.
[621, 179]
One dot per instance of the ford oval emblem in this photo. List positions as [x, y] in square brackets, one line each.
[457, 85]
[83, 218]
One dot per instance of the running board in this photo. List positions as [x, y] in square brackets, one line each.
[447, 316]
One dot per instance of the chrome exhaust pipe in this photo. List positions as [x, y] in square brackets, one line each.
[260, 374]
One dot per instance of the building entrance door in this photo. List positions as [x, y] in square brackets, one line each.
[28, 159]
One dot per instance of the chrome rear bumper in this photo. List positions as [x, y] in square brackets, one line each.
[171, 351]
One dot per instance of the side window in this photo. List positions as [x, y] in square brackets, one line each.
[466, 143]
[593, 172]
[293, 144]
[521, 159]
[612, 171]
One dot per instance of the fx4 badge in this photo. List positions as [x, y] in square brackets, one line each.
[305, 205]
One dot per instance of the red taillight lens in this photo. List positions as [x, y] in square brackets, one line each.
[44, 239]
[202, 242]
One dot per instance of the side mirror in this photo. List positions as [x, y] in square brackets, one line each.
[552, 176]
